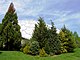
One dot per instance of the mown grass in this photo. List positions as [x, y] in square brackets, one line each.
[16, 55]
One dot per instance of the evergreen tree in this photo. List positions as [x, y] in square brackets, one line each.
[77, 38]
[40, 32]
[11, 30]
[53, 45]
[67, 40]
[1, 42]
[0, 30]
[75, 35]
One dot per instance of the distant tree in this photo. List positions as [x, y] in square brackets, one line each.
[11, 30]
[75, 34]
[67, 40]
[40, 32]
[77, 38]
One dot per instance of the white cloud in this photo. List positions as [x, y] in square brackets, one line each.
[27, 27]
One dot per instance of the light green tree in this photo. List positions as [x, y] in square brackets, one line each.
[67, 40]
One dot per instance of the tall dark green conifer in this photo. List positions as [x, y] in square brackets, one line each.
[53, 46]
[1, 41]
[11, 30]
[40, 32]
[47, 38]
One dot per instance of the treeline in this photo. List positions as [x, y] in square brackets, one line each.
[45, 41]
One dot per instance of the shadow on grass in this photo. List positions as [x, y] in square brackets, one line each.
[0, 52]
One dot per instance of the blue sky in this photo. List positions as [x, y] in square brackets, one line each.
[59, 11]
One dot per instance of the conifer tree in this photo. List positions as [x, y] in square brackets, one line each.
[40, 32]
[11, 30]
[77, 39]
[53, 46]
[67, 40]
[1, 41]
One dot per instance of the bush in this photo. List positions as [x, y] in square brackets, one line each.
[42, 53]
[26, 49]
[34, 48]
[78, 44]
[21, 49]
[31, 48]
[63, 50]
[24, 44]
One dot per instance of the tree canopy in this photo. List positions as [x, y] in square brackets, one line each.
[10, 32]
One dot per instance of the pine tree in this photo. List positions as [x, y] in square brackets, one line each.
[77, 39]
[0, 31]
[53, 46]
[67, 40]
[40, 32]
[11, 30]
[1, 41]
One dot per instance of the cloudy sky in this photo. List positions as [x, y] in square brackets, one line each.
[59, 11]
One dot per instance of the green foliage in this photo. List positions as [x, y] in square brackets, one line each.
[42, 53]
[77, 38]
[1, 45]
[47, 38]
[34, 48]
[24, 42]
[67, 40]
[31, 48]
[53, 45]
[1, 42]
[62, 38]
[40, 32]
[26, 49]
[10, 32]
[0, 28]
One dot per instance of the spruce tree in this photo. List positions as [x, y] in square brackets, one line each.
[53, 45]
[11, 30]
[77, 39]
[40, 32]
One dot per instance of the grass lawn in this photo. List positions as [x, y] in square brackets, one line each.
[15, 55]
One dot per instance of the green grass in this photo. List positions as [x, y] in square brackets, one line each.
[15, 55]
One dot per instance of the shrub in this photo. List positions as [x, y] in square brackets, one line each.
[42, 53]
[24, 44]
[21, 49]
[26, 49]
[31, 48]
[63, 50]
[78, 43]
[34, 48]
